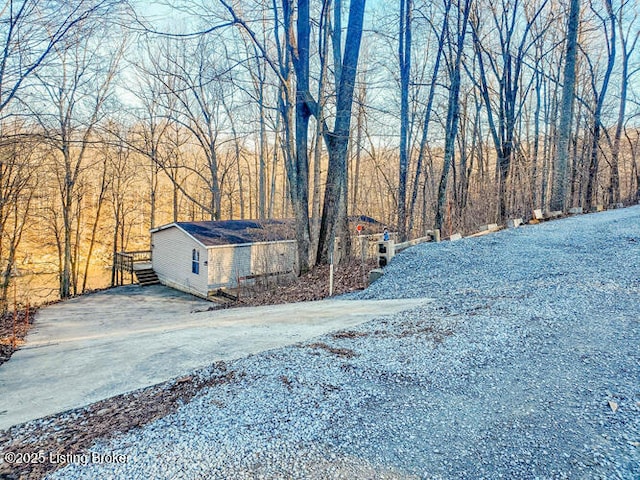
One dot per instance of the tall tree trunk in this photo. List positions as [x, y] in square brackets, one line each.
[592, 189]
[274, 167]
[426, 122]
[338, 140]
[94, 229]
[300, 189]
[614, 178]
[404, 56]
[560, 167]
[453, 117]
[67, 204]
[360, 119]
[323, 50]
[536, 144]
[262, 177]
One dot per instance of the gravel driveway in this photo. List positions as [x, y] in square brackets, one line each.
[527, 365]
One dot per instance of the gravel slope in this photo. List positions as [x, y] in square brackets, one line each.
[514, 371]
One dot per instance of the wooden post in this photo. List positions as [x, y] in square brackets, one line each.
[331, 280]
[363, 253]
[15, 313]
[331, 275]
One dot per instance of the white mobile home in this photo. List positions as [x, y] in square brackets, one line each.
[202, 257]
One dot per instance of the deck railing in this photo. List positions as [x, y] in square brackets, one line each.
[125, 261]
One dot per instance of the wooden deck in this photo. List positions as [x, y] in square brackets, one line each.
[137, 265]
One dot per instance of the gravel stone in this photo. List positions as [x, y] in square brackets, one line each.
[509, 373]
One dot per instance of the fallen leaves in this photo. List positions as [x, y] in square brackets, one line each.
[313, 285]
[349, 334]
[76, 431]
[340, 352]
[8, 327]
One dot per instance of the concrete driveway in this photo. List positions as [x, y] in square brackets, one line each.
[96, 346]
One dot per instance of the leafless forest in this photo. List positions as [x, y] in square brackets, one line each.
[116, 117]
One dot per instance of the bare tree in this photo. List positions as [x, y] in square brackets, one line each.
[334, 217]
[76, 89]
[324, 38]
[515, 40]
[453, 106]
[292, 46]
[152, 123]
[300, 55]
[103, 188]
[17, 189]
[609, 26]
[195, 80]
[258, 71]
[291, 37]
[122, 175]
[422, 153]
[404, 56]
[628, 43]
[559, 185]
[31, 31]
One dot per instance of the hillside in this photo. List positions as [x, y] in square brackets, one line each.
[525, 364]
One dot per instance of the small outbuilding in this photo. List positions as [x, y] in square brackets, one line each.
[202, 257]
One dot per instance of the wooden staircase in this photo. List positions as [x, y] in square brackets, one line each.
[146, 276]
[130, 262]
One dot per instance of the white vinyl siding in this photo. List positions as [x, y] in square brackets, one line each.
[172, 259]
[273, 257]
[229, 264]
